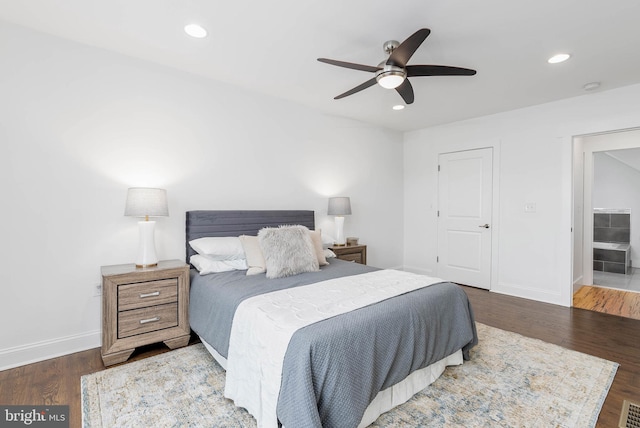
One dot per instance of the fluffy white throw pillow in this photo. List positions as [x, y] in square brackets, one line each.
[287, 251]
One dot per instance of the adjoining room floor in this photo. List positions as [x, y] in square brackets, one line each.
[608, 300]
[629, 282]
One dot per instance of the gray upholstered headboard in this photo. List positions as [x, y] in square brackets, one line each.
[235, 223]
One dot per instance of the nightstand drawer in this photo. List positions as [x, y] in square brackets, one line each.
[355, 257]
[138, 321]
[143, 294]
[351, 253]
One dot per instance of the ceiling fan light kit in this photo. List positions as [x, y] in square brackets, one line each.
[390, 77]
[393, 72]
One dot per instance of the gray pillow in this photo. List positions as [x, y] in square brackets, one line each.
[287, 251]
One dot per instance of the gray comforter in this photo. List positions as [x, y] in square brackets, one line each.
[334, 368]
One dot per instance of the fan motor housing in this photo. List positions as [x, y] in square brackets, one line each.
[389, 46]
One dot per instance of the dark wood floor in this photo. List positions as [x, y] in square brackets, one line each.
[57, 381]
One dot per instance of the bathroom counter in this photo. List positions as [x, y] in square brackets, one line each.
[611, 246]
[611, 257]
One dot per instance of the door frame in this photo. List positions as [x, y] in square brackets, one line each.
[495, 203]
[586, 145]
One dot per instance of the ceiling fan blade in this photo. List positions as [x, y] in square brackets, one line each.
[360, 67]
[358, 88]
[400, 55]
[438, 70]
[406, 91]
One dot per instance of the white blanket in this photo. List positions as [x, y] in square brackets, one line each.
[263, 325]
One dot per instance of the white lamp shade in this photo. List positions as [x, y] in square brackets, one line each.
[339, 206]
[146, 202]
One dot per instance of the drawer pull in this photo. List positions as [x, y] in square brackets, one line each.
[155, 293]
[154, 319]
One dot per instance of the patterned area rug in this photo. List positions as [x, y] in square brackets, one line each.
[511, 381]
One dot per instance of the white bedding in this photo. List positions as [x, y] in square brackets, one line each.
[263, 325]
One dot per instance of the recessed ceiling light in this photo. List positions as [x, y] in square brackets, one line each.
[558, 58]
[195, 30]
[398, 107]
[591, 86]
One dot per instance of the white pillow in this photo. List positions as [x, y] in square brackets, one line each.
[219, 248]
[253, 252]
[316, 238]
[329, 254]
[287, 251]
[206, 265]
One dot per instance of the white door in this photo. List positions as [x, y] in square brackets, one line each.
[464, 217]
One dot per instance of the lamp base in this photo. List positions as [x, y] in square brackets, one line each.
[147, 248]
[340, 239]
[146, 266]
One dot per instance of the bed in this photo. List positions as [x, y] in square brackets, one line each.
[341, 370]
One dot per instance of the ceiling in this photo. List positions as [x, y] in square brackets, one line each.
[271, 47]
[629, 157]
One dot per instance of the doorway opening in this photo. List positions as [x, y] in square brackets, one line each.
[607, 222]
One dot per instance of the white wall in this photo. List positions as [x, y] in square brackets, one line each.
[532, 254]
[80, 125]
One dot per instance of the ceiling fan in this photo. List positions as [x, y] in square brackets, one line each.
[393, 72]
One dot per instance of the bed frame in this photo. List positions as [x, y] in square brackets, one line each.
[201, 224]
[234, 223]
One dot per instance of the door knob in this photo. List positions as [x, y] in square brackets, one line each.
[486, 226]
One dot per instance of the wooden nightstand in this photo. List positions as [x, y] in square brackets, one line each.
[351, 253]
[142, 306]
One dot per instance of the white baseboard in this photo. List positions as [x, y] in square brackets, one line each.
[528, 293]
[507, 289]
[46, 349]
[577, 284]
